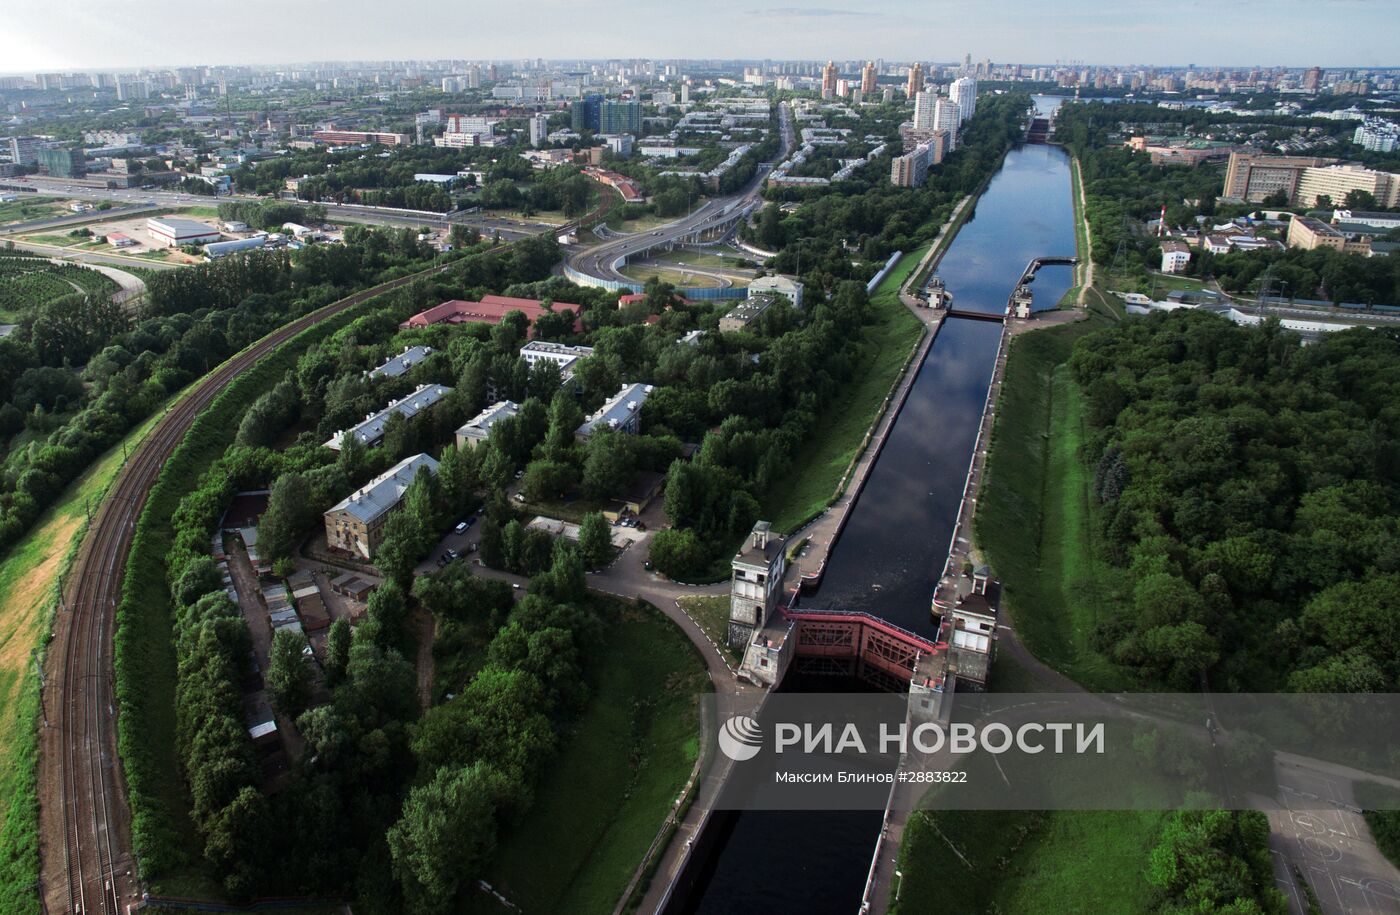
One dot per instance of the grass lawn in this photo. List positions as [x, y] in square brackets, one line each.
[205, 212]
[677, 277]
[602, 801]
[1036, 522]
[29, 208]
[729, 258]
[889, 338]
[64, 241]
[1023, 862]
[28, 577]
[711, 613]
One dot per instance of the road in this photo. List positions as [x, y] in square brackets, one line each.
[598, 260]
[510, 230]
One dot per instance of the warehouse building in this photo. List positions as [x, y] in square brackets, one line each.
[171, 232]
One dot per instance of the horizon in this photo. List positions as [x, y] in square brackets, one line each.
[84, 36]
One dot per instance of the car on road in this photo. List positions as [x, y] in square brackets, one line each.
[520, 497]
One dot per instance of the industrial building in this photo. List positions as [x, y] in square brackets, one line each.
[171, 231]
[218, 249]
[357, 137]
[490, 310]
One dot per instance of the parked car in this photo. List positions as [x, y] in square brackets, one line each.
[461, 527]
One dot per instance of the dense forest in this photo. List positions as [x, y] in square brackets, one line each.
[1250, 485]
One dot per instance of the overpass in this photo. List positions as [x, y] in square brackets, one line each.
[600, 265]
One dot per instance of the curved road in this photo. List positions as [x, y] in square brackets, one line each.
[598, 260]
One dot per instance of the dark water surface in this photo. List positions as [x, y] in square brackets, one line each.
[892, 551]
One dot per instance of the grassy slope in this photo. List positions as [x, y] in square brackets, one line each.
[1026, 862]
[711, 614]
[603, 799]
[890, 337]
[1036, 523]
[28, 577]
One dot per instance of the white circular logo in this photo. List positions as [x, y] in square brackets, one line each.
[741, 738]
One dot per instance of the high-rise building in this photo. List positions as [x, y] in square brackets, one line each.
[473, 77]
[947, 115]
[685, 93]
[25, 150]
[539, 129]
[829, 80]
[924, 104]
[585, 114]
[63, 163]
[867, 79]
[915, 85]
[910, 169]
[620, 117]
[964, 93]
[1312, 80]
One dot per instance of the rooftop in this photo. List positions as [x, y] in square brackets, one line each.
[761, 548]
[371, 430]
[490, 310]
[411, 356]
[385, 491]
[173, 225]
[620, 408]
[479, 426]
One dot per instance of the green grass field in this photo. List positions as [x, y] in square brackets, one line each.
[603, 800]
[890, 337]
[676, 277]
[1036, 523]
[1023, 862]
[711, 613]
[728, 258]
[28, 208]
[28, 577]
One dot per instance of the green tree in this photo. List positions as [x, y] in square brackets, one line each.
[447, 834]
[337, 650]
[595, 540]
[288, 673]
[607, 465]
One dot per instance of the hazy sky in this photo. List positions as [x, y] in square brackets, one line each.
[80, 34]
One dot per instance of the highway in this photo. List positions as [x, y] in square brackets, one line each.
[598, 260]
[509, 229]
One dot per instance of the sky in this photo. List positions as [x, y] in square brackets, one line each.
[74, 35]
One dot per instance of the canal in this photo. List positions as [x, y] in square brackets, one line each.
[893, 548]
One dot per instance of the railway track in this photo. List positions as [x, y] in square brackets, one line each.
[99, 875]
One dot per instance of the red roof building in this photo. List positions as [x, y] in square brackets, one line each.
[490, 310]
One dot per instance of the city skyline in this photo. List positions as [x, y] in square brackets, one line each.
[83, 36]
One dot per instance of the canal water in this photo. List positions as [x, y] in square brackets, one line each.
[895, 543]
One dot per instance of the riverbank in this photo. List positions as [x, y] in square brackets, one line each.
[825, 468]
[1036, 522]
